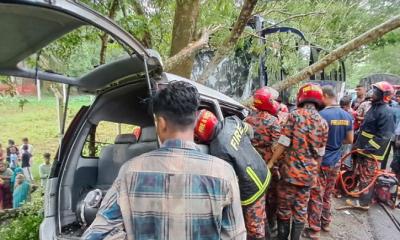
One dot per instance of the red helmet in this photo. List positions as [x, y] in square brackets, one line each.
[386, 88]
[205, 125]
[263, 100]
[310, 92]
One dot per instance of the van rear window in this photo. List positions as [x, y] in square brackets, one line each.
[107, 133]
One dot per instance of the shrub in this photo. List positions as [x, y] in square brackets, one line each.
[26, 224]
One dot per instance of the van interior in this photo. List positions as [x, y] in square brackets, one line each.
[98, 153]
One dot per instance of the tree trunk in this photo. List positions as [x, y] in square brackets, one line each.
[367, 37]
[188, 52]
[183, 33]
[230, 42]
[104, 37]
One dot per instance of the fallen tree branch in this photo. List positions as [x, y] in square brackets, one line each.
[229, 43]
[191, 49]
[365, 38]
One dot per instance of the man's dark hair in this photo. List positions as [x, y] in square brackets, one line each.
[177, 103]
[329, 91]
[46, 155]
[25, 139]
[359, 85]
[345, 101]
[11, 142]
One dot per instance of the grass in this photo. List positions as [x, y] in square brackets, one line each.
[37, 121]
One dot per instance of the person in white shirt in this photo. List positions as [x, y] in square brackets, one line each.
[25, 141]
[44, 170]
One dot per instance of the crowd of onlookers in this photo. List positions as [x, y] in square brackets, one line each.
[16, 178]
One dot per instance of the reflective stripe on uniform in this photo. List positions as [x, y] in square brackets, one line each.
[261, 186]
[374, 144]
[367, 135]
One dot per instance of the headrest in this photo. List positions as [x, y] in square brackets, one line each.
[148, 134]
[125, 139]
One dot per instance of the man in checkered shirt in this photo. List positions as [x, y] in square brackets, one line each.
[174, 192]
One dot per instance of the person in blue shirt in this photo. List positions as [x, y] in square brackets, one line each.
[395, 165]
[340, 132]
[394, 105]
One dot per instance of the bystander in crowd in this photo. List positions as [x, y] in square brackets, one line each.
[44, 170]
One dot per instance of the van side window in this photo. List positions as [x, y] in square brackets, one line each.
[104, 134]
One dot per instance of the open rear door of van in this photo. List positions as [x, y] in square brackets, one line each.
[27, 26]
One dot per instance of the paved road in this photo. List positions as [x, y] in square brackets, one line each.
[348, 224]
[382, 226]
[361, 225]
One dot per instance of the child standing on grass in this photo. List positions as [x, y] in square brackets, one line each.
[25, 141]
[44, 170]
[11, 149]
[13, 157]
[26, 162]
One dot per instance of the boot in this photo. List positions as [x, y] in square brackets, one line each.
[325, 227]
[273, 229]
[297, 228]
[268, 233]
[283, 229]
[310, 234]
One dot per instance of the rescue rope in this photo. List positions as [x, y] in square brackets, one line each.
[376, 175]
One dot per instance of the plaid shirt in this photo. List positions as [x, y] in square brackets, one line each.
[175, 192]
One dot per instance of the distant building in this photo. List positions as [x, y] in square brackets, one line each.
[22, 86]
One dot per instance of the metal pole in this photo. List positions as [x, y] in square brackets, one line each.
[262, 73]
[38, 89]
[64, 87]
[65, 110]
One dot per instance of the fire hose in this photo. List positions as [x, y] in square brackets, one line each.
[371, 184]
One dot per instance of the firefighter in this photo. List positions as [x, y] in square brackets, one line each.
[267, 129]
[303, 140]
[230, 141]
[264, 122]
[374, 138]
[340, 132]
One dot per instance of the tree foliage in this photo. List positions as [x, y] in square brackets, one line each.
[325, 23]
[336, 23]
